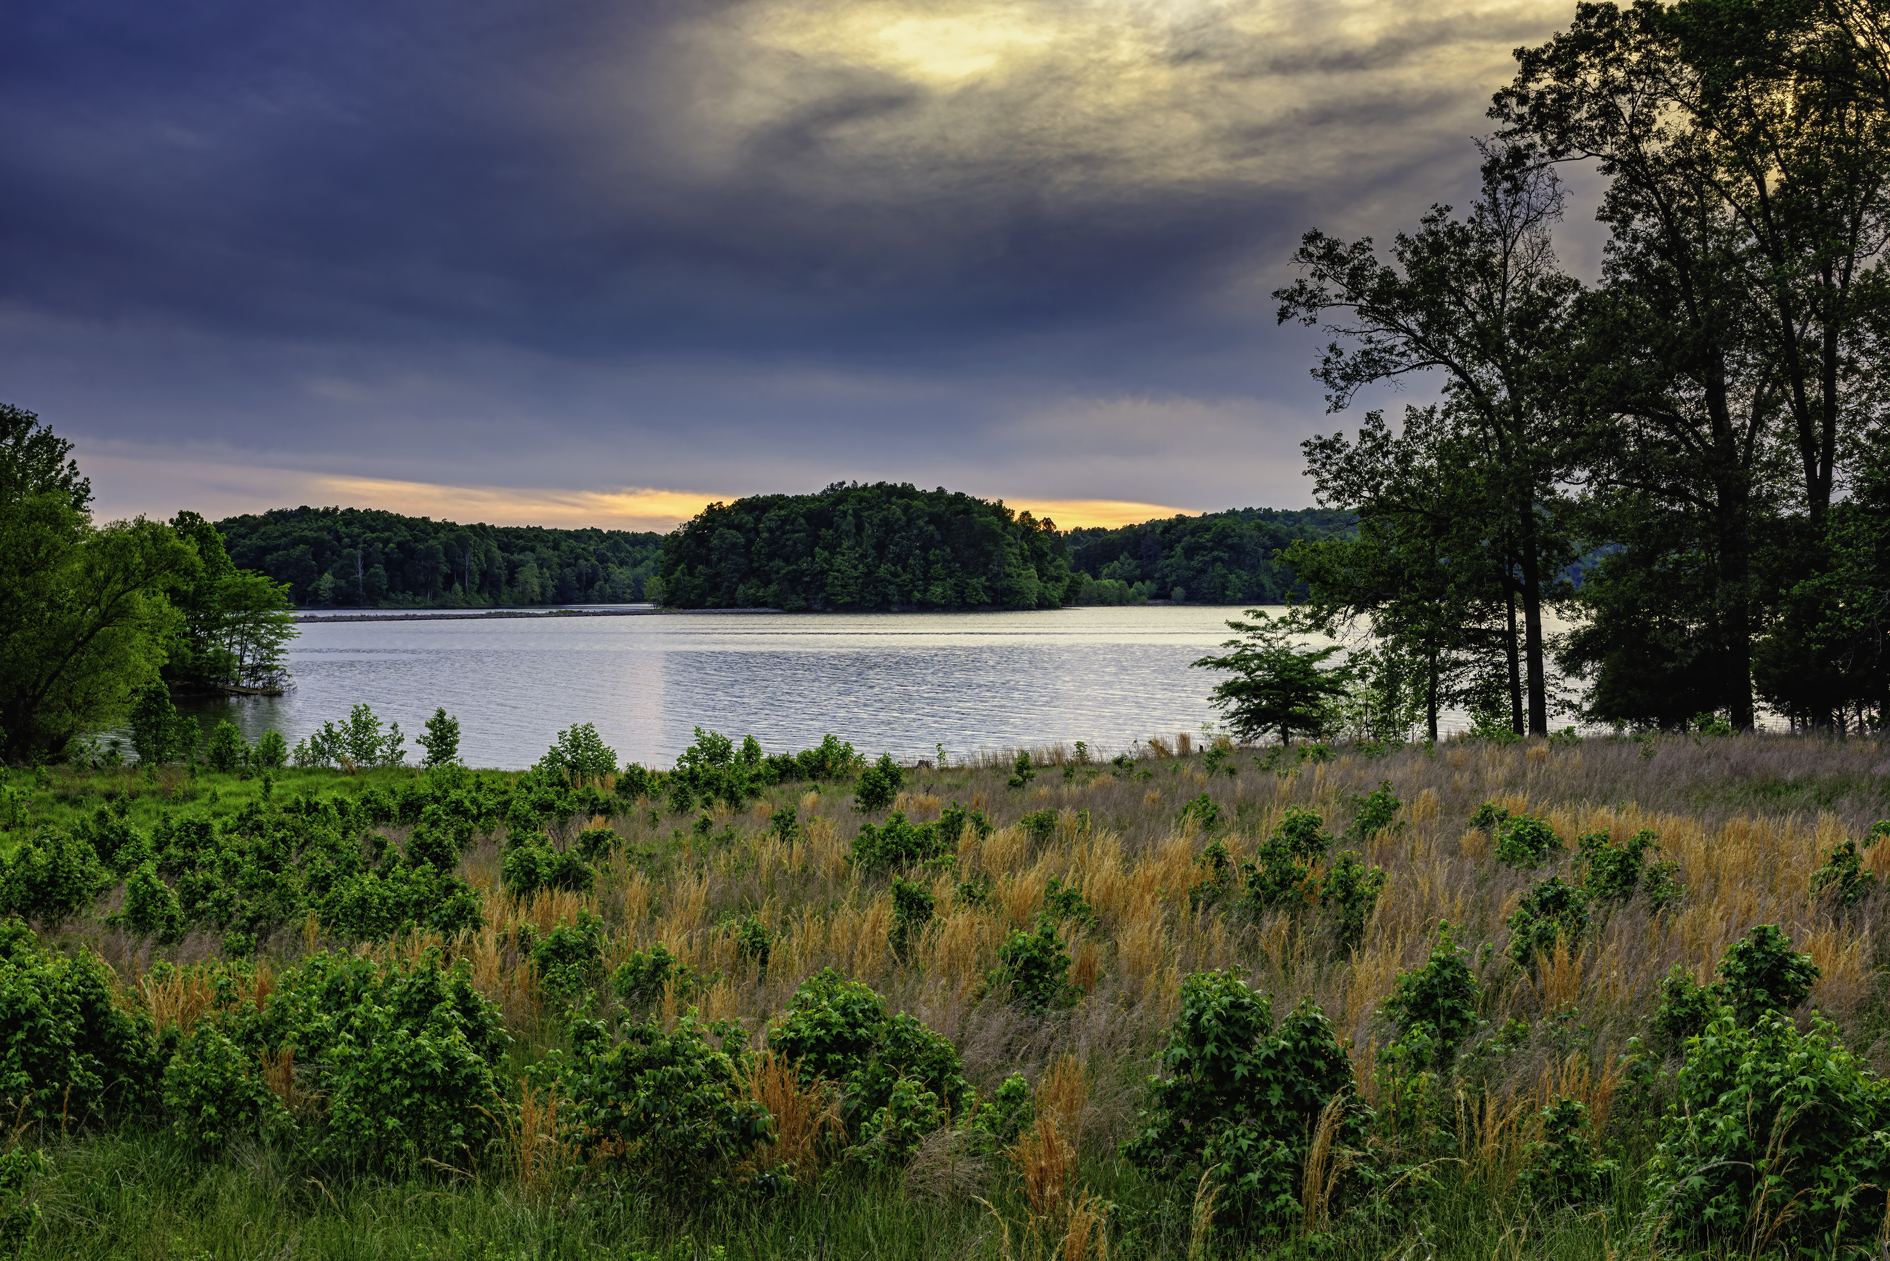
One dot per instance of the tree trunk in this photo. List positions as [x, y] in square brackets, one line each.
[1532, 625]
[1515, 669]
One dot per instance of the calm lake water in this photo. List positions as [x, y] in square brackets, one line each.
[899, 682]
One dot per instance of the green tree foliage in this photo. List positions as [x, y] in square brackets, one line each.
[158, 732]
[896, 844]
[226, 749]
[1526, 841]
[1563, 1166]
[865, 547]
[356, 556]
[1483, 301]
[237, 624]
[440, 740]
[1236, 557]
[84, 614]
[49, 878]
[913, 908]
[361, 741]
[1241, 1098]
[579, 756]
[1278, 687]
[1550, 909]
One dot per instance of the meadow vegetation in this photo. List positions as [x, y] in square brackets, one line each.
[1602, 997]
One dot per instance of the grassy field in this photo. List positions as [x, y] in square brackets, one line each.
[1747, 820]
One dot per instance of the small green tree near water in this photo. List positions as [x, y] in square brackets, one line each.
[1278, 687]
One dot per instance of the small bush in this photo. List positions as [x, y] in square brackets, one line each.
[1562, 1167]
[1842, 882]
[440, 739]
[1552, 908]
[1068, 906]
[50, 878]
[1525, 841]
[1436, 1004]
[1776, 1142]
[1203, 811]
[837, 1029]
[1216, 882]
[1761, 973]
[1350, 893]
[913, 906]
[1008, 1112]
[1375, 812]
[150, 909]
[569, 959]
[641, 979]
[671, 1108]
[1489, 816]
[896, 844]
[1022, 772]
[227, 749]
[753, 941]
[1613, 873]
[1685, 1007]
[1034, 968]
[1241, 1099]
[1039, 825]
[879, 785]
[953, 821]
[536, 866]
[214, 1093]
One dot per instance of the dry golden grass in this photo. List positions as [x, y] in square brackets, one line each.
[808, 1133]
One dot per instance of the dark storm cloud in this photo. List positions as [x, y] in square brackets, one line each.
[536, 225]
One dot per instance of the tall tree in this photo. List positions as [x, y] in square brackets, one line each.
[1483, 301]
[1746, 204]
[1419, 569]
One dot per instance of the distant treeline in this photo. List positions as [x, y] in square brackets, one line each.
[882, 546]
[1217, 558]
[359, 556]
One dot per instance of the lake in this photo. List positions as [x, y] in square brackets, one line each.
[895, 682]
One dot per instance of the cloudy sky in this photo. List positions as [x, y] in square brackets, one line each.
[569, 261]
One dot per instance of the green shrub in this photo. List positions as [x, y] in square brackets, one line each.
[975, 891]
[640, 980]
[1489, 816]
[1435, 1005]
[1009, 1111]
[403, 1055]
[49, 878]
[1203, 811]
[1776, 1142]
[913, 907]
[271, 751]
[227, 749]
[150, 908]
[1375, 812]
[896, 844]
[1761, 973]
[532, 867]
[1685, 1007]
[579, 756]
[1550, 909]
[569, 959]
[1613, 873]
[1350, 893]
[953, 821]
[593, 845]
[1022, 772]
[20, 1169]
[1842, 881]
[1240, 1099]
[752, 940]
[669, 1108]
[68, 1054]
[1068, 906]
[893, 1133]
[879, 785]
[1216, 882]
[1281, 874]
[837, 1029]
[1525, 841]
[1039, 825]
[214, 1093]
[1562, 1166]
[158, 732]
[1034, 969]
